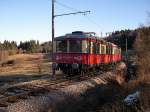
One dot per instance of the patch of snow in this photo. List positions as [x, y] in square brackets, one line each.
[132, 98]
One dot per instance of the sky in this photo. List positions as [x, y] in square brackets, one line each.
[22, 20]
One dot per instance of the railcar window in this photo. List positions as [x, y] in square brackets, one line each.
[113, 50]
[116, 51]
[110, 50]
[61, 46]
[91, 47]
[97, 50]
[119, 50]
[103, 49]
[85, 46]
[94, 48]
[107, 49]
[75, 46]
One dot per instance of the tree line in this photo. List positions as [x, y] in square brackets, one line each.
[31, 46]
[119, 38]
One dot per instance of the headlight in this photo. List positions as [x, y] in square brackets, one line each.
[75, 66]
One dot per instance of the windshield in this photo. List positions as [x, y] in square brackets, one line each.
[75, 46]
[61, 46]
[71, 46]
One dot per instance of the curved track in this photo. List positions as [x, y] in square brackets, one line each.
[26, 90]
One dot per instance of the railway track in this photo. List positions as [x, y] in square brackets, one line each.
[26, 90]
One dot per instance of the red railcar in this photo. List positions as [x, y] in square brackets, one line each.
[79, 51]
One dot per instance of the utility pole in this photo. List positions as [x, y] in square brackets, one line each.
[126, 49]
[53, 31]
[53, 26]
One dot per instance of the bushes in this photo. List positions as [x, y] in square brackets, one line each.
[9, 62]
[142, 47]
[142, 83]
[3, 55]
[8, 48]
[31, 46]
[119, 38]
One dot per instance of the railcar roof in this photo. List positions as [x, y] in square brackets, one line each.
[79, 34]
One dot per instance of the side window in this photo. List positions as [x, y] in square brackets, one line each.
[61, 46]
[98, 48]
[85, 46]
[107, 49]
[110, 49]
[103, 49]
[75, 46]
[91, 47]
[94, 48]
[113, 50]
[116, 51]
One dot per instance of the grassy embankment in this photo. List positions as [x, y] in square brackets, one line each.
[141, 83]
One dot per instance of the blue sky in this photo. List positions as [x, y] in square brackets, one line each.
[31, 19]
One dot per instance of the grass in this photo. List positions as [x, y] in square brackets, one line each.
[27, 64]
[141, 83]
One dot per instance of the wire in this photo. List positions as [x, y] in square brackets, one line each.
[65, 6]
[92, 21]
[73, 9]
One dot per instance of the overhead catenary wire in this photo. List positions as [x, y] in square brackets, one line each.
[65, 6]
[74, 9]
[81, 12]
[92, 21]
[70, 8]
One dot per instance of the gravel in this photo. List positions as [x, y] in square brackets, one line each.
[39, 104]
[49, 102]
[80, 88]
[2, 110]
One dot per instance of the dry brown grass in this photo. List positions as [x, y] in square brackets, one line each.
[26, 64]
[3, 55]
[141, 84]
[142, 47]
[143, 104]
